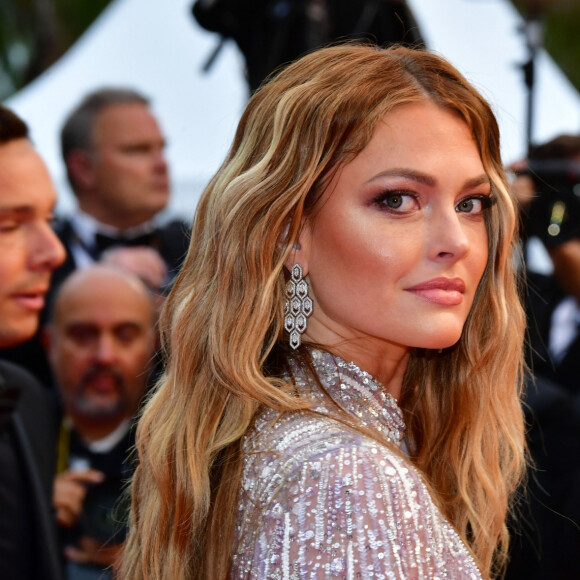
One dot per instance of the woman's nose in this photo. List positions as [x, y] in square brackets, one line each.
[448, 237]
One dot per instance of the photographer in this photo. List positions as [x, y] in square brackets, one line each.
[272, 33]
[100, 342]
[549, 190]
[546, 537]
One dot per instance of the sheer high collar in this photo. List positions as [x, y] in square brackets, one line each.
[360, 395]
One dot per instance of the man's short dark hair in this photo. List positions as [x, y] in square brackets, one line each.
[561, 147]
[11, 126]
[76, 132]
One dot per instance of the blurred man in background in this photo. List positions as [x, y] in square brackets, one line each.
[114, 152]
[113, 149]
[547, 536]
[550, 194]
[29, 252]
[100, 343]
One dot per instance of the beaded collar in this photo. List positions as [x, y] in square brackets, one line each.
[356, 392]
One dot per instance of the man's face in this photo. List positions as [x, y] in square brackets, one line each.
[128, 180]
[101, 344]
[566, 260]
[29, 249]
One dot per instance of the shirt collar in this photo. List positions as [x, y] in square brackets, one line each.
[86, 227]
[107, 443]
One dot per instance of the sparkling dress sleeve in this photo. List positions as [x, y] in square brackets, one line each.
[341, 506]
[320, 499]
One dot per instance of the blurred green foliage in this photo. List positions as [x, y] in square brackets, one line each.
[77, 15]
[35, 33]
[561, 31]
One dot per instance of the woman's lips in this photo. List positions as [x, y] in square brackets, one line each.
[442, 291]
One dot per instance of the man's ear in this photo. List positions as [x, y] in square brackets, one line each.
[80, 166]
[300, 253]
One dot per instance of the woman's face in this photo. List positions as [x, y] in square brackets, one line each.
[398, 244]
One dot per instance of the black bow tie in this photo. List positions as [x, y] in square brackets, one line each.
[104, 242]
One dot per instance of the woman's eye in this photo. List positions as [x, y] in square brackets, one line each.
[398, 201]
[474, 204]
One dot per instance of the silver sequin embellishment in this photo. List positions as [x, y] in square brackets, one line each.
[321, 500]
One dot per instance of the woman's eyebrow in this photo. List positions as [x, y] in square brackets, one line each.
[407, 174]
[425, 179]
[477, 181]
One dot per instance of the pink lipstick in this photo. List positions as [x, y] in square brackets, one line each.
[441, 291]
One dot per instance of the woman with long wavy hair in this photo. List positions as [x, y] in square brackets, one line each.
[342, 393]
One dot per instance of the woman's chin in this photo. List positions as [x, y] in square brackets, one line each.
[438, 342]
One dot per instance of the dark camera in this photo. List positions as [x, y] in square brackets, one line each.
[104, 511]
[105, 506]
[554, 213]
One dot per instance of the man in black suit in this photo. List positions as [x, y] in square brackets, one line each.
[29, 252]
[547, 535]
[113, 149]
[100, 339]
[554, 318]
[553, 301]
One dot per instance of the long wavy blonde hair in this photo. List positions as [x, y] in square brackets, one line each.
[223, 321]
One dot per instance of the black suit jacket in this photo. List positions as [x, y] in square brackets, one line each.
[543, 296]
[27, 455]
[546, 529]
[170, 240]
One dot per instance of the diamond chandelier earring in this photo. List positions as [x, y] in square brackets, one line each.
[298, 306]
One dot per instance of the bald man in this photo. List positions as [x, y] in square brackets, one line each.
[101, 340]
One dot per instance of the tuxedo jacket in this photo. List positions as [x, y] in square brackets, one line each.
[28, 429]
[545, 533]
[542, 297]
[170, 240]
[545, 529]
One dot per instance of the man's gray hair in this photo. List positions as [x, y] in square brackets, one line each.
[76, 132]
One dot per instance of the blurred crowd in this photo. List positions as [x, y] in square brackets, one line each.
[546, 529]
[80, 295]
[96, 281]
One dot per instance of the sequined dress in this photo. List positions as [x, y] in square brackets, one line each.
[320, 500]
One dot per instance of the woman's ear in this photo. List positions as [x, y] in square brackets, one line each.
[300, 252]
